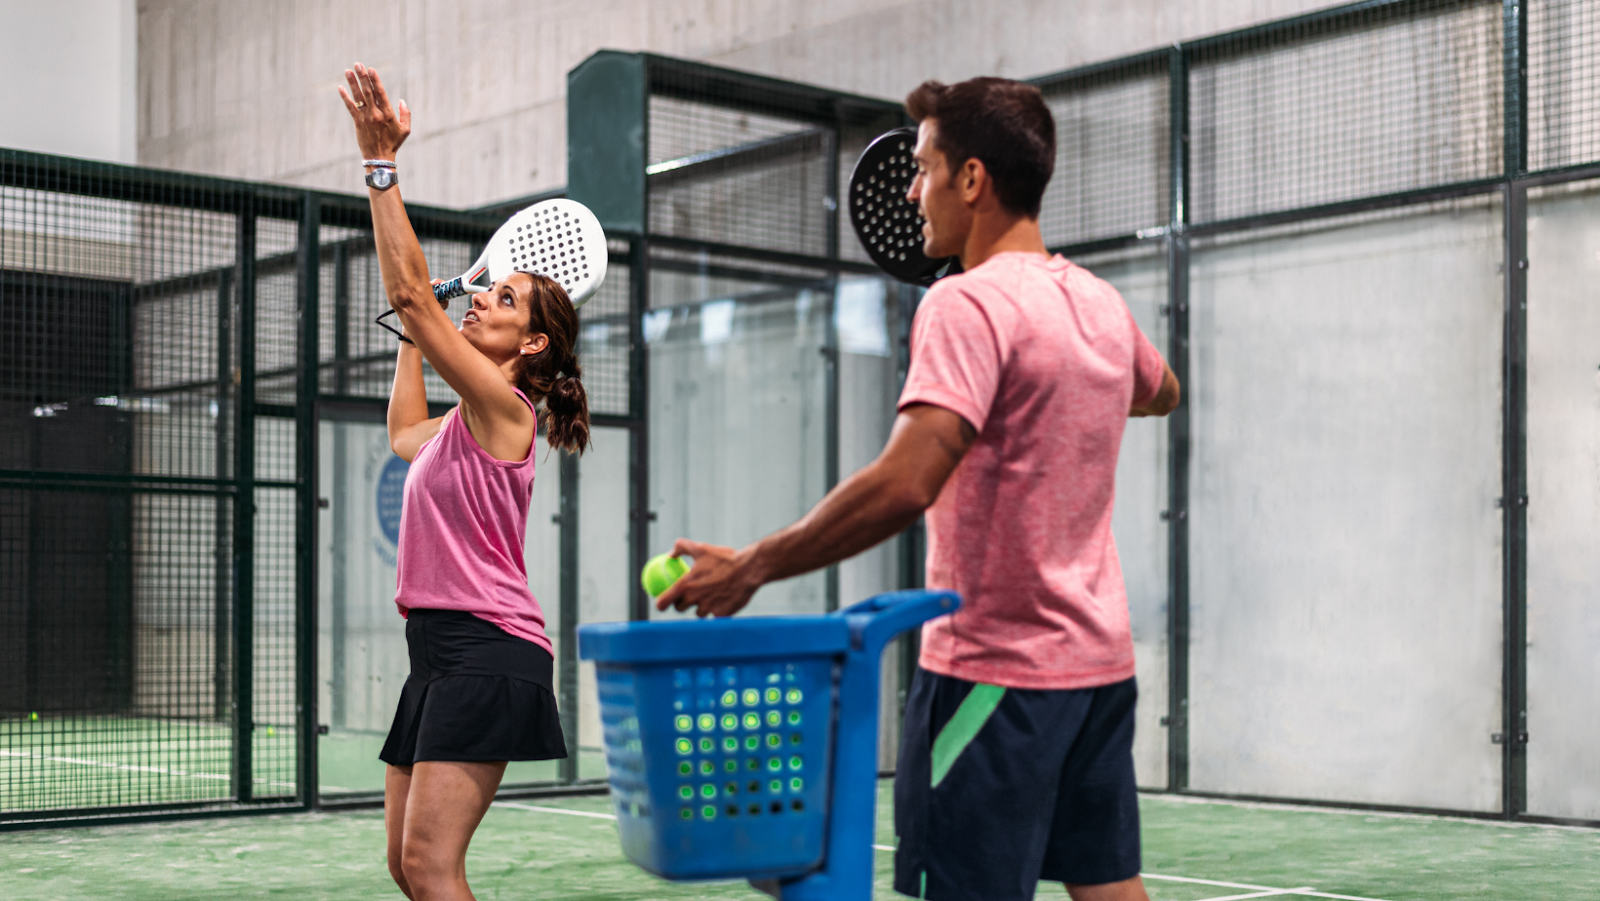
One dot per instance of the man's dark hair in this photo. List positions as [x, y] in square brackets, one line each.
[1002, 123]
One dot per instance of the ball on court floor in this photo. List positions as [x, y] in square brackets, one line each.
[661, 572]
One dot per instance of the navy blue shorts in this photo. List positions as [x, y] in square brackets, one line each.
[999, 788]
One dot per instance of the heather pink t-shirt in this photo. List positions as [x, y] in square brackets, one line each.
[462, 528]
[1044, 360]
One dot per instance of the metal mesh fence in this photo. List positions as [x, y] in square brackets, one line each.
[275, 320]
[112, 379]
[1112, 154]
[1391, 99]
[1563, 83]
[739, 178]
[604, 341]
[681, 129]
[853, 141]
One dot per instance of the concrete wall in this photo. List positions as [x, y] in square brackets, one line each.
[248, 90]
[67, 78]
[1345, 601]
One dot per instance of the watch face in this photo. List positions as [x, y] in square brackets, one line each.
[380, 178]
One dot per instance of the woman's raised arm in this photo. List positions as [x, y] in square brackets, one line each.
[380, 130]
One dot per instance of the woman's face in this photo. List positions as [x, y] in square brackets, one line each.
[497, 323]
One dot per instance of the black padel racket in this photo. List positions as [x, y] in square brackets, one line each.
[888, 224]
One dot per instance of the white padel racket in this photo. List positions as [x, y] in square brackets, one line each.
[559, 238]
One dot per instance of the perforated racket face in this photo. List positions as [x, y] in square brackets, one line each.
[556, 238]
[888, 224]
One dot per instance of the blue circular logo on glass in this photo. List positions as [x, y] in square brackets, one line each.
[391, 492]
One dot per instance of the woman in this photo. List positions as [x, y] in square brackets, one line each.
[479, 693]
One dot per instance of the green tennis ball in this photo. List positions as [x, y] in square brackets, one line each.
[34, 716]
[661, 572]
[271, 732]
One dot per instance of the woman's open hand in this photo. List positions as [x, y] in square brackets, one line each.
[380, 127]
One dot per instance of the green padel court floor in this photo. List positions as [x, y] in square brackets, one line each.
[60, 763]
[566, 848]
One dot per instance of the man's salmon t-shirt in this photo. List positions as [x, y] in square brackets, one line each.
[1044, 360]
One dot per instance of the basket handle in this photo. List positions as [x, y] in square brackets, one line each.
[878, 619]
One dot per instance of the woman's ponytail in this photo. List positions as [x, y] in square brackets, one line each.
[553, 374]
[566, 413]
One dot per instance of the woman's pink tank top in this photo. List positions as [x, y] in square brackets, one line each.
[462, 528]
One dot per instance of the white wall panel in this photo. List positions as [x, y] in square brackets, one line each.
[361, 638]
[737, 429]
[604, 586]
[1564, 502]
[1346, 546]
[868, 390]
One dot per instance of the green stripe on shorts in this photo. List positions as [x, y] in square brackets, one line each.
[963, 727]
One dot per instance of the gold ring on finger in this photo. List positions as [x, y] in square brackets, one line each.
[360, 104]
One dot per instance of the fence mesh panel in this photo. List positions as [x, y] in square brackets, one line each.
[739, 178]
[1112, 152]
[116, 330]
[603, 342]
[1388, 101]
[1563, 83]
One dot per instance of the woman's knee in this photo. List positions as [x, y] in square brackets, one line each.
[423, 865]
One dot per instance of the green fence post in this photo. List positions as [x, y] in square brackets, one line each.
[1178, 432]
[244, 504]
[221, 602]
[305, 532]
[567, 705]
[1514, 442]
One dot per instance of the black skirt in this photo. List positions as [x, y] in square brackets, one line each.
[475, 693]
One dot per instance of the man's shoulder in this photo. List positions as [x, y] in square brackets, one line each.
[998, 280]
[1010, 280]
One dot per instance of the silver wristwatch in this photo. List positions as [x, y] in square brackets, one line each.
[383, 178]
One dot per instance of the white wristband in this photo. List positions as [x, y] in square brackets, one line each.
[380, 164]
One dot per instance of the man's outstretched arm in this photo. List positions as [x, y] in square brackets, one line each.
[871, 505]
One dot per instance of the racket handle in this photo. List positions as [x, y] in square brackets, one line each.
[446, 290]
[454, 288]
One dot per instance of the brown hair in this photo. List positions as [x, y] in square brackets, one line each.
[553, 374]
[1004, 124]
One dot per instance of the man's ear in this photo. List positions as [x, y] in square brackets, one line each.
[971, 179]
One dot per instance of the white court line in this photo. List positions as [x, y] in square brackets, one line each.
[160, 770]
[113, 766]
[570, 813]
[1261, 888]
[1273, 893]
[1257, 891]
[1165, 798]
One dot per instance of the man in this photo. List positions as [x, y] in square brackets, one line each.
[1016, 763]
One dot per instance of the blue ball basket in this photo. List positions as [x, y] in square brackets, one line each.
[747, 748]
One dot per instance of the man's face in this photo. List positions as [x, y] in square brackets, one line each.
[938, 197]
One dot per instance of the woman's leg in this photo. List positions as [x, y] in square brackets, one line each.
[445, 801]
[396, 786]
